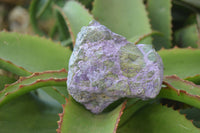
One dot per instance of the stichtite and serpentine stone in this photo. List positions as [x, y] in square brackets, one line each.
[105, 67]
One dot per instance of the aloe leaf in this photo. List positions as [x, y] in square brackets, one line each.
[133, 105]
[144, 38]
[4, 79]
[35, 81]
[187, 36]
[28, 114]
[127, 18]
[50, 99]
[198, 28]
[31, 53]
[182, 62]
[158, 119]
[9, 66]
[55, 94]
[44, 6]
[24, 54]
[192, 114]
[198, 21]
[76, 16]
[64, 33]
[181, 90]
[195, 3]
[62, 27]
[195, 79]
[33, 19]
[62, 90]
[75, 118]
[87, 3]
[41, 16]
[160, 19]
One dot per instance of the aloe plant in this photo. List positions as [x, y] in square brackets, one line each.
[34, 96]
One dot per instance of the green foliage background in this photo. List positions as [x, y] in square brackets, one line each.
[35, 67]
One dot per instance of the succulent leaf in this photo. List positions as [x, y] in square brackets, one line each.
[181, 90]
[28, 114]
[133, 105]
[33, 53]
[192, 114]
[181, 62]
[160, 19]
[62, 26]
[187, 36]
[76, 119]
[127, 18]
[76, 16]
[35, 81]
[54, 93]
[194, 3]
[195, 79]
[33, 19]
[158, 119]
[24, 54]
[9, 66]
[4, 79]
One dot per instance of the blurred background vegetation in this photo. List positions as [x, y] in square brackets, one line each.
[182, 23]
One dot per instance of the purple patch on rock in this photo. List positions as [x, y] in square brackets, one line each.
[105, 67]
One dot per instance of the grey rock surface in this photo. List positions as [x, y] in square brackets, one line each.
[105, 67]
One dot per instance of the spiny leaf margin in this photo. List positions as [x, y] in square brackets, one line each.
[33, 53]
[94, 125]
[129, 17]
[160, 18]
[178, 60]
[180, 90]
[35, 81]
[76, 16]
[155, 118]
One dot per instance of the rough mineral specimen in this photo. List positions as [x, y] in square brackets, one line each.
[105, 67]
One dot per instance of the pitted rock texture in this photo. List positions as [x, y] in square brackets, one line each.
[105, 67]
